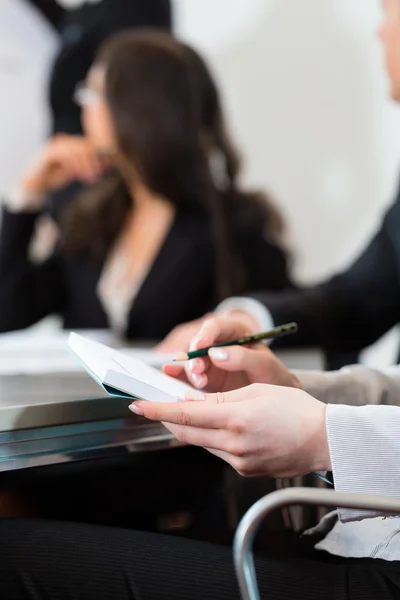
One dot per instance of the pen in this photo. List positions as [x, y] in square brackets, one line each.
[279, 331]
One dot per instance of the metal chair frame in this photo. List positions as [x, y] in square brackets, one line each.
[248, 526]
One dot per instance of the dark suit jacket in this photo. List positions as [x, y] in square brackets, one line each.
[180, 285]
[82, 31]
[51, 10]
[353, 309]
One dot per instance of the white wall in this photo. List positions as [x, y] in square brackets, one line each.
[307, 97]
[27, 47]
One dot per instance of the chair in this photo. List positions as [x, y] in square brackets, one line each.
[248, 526]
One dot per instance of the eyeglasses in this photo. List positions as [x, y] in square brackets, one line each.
[84, 95]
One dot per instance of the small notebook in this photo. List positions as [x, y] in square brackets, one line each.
[123, 376]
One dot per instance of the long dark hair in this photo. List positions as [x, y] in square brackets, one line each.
[169, 126]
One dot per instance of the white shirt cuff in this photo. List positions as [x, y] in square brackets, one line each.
[16, 200]
[364, 446]
[253, 307]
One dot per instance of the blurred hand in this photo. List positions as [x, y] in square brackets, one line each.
[232, 367]
[65, 158]
[179, 338]
[259, 430]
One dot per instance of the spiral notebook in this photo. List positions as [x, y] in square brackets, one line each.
[123, 376]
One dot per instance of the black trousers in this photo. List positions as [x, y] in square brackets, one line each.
[44, 560]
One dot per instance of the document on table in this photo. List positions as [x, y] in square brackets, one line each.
[25, 352]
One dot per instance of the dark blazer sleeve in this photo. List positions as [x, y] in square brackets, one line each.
[28, 292]
[51, 10]
[353, 309]
[265, 263]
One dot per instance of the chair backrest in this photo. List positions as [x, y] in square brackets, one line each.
[248, 526]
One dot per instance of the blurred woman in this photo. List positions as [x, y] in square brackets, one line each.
[163, 231]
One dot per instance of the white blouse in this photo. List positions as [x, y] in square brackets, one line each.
[118, 287]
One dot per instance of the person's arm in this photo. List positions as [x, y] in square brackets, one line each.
[28, 291]
[51, 10]
[265, 262]
[362, 440]
[364, 446]
[347, 313]
[354, 385]
[264, 430]
[353, 309]
[355, 428]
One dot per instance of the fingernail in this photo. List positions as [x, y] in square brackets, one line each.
[192, 397]
[194, 343]
[195, 366]
[218, 354]
[136, 409]
[198, 380]
[204, 326]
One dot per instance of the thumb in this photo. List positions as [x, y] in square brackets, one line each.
[176, 371]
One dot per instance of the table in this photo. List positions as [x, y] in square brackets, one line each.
[59, 418]
[56, 418]
[50, 418]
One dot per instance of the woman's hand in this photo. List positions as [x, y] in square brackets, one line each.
[231, 367]
[259, 430]
[178, 339]
[65, 158]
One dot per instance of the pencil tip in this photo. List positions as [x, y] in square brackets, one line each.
[180, 357]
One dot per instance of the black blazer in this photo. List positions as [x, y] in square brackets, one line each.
[82, 31]
[51, 10]
[180, 284]
[356, 307]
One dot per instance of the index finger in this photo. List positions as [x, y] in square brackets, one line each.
[218, 329]
[193, 414]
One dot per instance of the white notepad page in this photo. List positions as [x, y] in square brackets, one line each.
[100, 360]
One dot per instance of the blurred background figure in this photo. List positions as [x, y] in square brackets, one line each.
[28, 45]
[163, 230]
[83, 26]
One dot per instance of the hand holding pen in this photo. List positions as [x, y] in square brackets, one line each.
[226, 365]
[272, 334]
